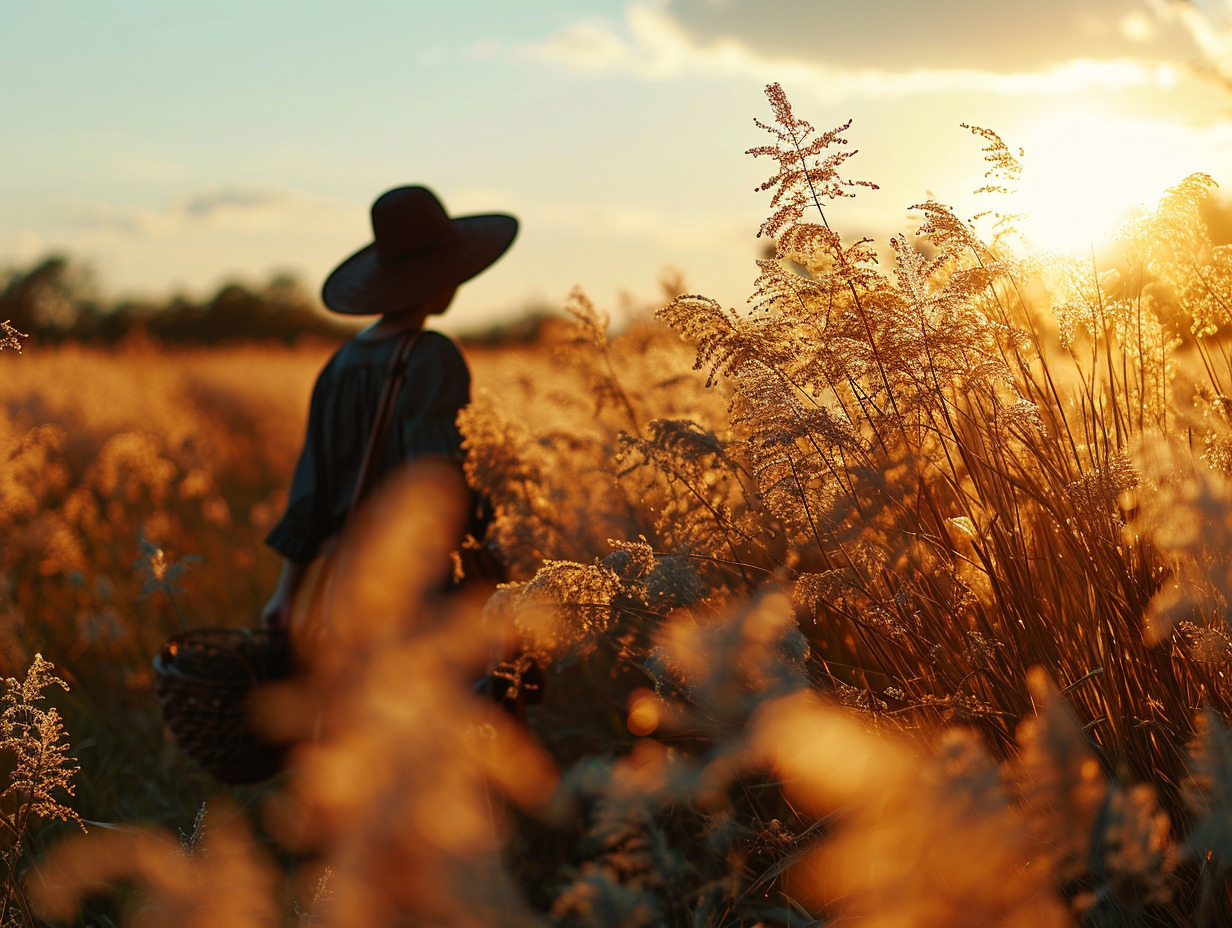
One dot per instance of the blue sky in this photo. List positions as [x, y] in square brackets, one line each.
[175, 145]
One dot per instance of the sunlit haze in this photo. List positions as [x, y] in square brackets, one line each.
[1085, 171]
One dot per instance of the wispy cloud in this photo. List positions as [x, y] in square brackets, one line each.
[1209, 24]
[653, 44]
[233, 209]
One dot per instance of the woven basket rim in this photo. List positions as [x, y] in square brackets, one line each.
[227, 631]
[221, 640]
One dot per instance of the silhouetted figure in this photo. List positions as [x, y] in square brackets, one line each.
[418, 258]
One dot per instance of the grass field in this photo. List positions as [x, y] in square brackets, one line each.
[899, 597]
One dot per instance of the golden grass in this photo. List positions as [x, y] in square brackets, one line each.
[900, 598]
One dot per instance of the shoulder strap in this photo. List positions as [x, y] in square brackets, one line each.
[384, 413]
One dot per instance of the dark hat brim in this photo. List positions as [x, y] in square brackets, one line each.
[362, 285]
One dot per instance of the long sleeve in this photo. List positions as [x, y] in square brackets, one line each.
[308, 517]
[437, 389]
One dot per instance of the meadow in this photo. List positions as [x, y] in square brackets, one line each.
[899, 597]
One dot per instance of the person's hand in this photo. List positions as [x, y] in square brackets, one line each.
[276, 615]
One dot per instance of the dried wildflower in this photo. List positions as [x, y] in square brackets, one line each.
[1206, 643]
[1020, 418]
[628, 866]
[1005, 168]
[816, 590]
[591, 322]
[834, 267]
[1004, 175]
[565, 608]
[981, 651]
[633, 560]
[724, 342]
[891, 624]
[952, 237]
[682, 439]
[1174, 231]
[318, 910]
[699, 481]
[158, 575]
[190, 841]
[10, 337]
[1203, 297]
[41, 768]
[1099, 490]
[862, 698]
[674, 582]
[957, 707]
[798, 184]
[37, 738]
[1217, 453]
[777, 415]
[602, 381]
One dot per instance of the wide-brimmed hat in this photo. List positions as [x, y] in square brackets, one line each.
[418, 250]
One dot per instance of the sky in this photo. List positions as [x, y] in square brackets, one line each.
[177, 145]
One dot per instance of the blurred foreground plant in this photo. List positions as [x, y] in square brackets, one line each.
[41, 772]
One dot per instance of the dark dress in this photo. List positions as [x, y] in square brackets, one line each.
[344, 404]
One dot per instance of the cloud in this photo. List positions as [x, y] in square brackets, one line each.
[215, 205]
[590, 45]
[233, 209]
[1207, 22]
[893, 35]
[912, 48]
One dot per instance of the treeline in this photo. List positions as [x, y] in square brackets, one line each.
[55, 300]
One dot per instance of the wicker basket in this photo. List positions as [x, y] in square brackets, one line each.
[204, 679]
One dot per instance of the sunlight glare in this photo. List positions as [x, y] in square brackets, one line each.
[1084, 174]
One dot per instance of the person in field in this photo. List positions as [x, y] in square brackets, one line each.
[417, 260]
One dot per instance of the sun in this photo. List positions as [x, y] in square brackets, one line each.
[1084, 173]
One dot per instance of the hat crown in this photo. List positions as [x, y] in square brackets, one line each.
[417, 251]
[408, 222]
